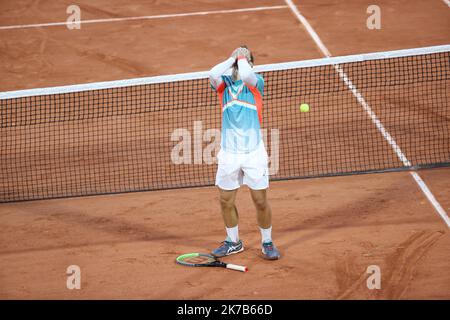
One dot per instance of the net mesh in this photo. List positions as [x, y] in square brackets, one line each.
[364, 116]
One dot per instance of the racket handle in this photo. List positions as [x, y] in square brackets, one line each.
[236, 267]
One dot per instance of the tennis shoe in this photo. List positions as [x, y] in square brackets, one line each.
[269, 251]
[228, 248]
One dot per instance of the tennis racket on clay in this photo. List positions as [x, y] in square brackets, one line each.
[206, 260]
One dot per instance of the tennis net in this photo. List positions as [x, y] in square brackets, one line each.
[368, 113]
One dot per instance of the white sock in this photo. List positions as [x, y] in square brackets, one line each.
[233, 234]
[266, 234]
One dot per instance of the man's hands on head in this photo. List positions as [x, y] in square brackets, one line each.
[234, 55]
[242, 69]
[241, 52]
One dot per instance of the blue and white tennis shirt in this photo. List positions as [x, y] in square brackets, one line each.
[241, 114]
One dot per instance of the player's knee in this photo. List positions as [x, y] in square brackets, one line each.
[260, 203]
[226, 203]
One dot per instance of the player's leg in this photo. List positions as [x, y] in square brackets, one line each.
[232, 243]
[228, 180]
[257, 179]
[228, 208]
[263, 210]
[264, 216]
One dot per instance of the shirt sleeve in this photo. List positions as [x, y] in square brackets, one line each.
[246, 72]
[260, 83]
[221, 87]
[216, 77]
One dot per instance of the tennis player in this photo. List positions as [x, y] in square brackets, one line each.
[242, 158]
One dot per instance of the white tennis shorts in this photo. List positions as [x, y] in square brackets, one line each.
[235, 169]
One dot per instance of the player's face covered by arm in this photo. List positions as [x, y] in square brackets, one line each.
[243, 66]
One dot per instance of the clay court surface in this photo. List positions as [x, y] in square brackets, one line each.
[329, 230]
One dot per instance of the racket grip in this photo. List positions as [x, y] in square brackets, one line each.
[236, 267]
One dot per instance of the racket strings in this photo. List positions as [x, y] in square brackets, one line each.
[199, 260]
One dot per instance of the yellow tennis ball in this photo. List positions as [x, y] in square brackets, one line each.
[304, 107]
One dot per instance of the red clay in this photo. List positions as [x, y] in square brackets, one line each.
[329, 230]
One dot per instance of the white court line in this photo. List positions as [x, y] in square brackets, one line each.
[308, 28]
[431, 198]
[161, 16]
[447, 2]
[373, 117]
[371, 114]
